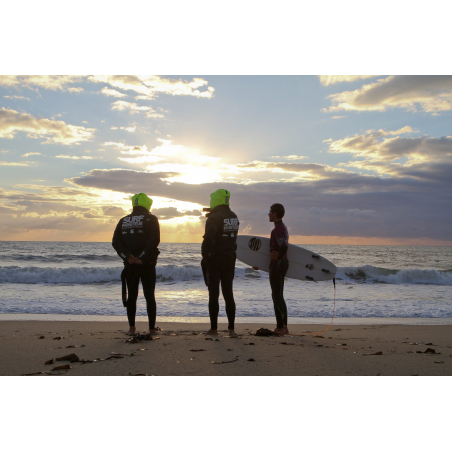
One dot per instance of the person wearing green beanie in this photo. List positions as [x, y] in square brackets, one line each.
[218, 251]
[136, 239]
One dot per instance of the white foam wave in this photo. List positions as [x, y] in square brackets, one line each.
[95, 275]
[71, 275]
[92, 275]
[370, 274]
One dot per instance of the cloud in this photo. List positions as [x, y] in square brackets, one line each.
[172, 212]
[53, 221]
[333, 203]
[27, 207]
[74, 157]
[112, 92]
[126, 181]
[387, 153]
[127, 129]
[145, 86]
[355, 213]
[409, 204]
[114, 143]
[332, 79]
[305, 171]
[130, 150]
[135, 150]
[52, 82]
[431, 93]
[113, 211]
[12, 122]
[31, 153]
[2, 163]
[187, 165]
[60, 213]
[16, 97]
[149, 86]
[289, 157]
[122, 105]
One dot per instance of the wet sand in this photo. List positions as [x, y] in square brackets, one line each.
[101, 348]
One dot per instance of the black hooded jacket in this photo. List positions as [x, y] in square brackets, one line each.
[137, 234]
[220, 238]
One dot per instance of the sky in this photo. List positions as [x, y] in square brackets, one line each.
[354, 159]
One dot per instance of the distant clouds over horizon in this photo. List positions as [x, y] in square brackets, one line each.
[354, 159]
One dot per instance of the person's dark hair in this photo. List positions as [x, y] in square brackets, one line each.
[278, 209]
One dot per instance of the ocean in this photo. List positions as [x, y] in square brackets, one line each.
[83, 279]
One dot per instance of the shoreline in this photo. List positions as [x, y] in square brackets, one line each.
[4, 317]
[102, 349]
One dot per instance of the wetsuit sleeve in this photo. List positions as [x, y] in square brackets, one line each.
[209, 237]
[282, 251]
[281, 241]
[151, 251]
[118, 244]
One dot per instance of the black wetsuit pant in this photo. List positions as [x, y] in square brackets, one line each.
[147, 275]
[221, 269]
[277, 272]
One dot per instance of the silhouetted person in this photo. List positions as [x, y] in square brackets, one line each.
[219, 253]
[136, 239]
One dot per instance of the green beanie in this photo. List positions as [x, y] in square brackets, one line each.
[219, 197]
[142, 200]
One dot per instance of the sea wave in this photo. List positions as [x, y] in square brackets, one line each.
[380, 275]
[366, 274]
[60, 258]
[89, 275]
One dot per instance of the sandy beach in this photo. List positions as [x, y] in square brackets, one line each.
[101, 348]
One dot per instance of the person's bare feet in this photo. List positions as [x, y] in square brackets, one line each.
[232, 333]
[280, 331]
[131, 332]
[212, 332]
[286, 330]
[152, 333]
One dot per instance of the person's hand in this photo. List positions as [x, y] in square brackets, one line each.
[134, 260]
[255, 268]
[274, 255]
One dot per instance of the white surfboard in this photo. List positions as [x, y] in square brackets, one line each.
[303, 264]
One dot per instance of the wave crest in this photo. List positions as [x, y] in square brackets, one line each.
[374, 275]
[366, 274]
[89, 275]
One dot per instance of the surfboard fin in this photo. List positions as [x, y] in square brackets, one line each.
[310, 279]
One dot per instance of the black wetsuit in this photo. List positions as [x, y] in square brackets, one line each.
[219, 253]
[138, 234]
[279, 241]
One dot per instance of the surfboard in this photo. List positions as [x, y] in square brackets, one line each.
[303, 264]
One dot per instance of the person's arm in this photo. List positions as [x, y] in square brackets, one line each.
[273, 252]
[118, 244]
[209, 238]
[282, 245]
[282, 251]
[281, 239]
[150, 252]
